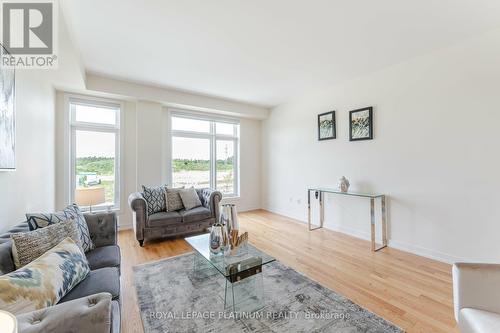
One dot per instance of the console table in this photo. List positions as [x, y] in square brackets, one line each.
[319, 192]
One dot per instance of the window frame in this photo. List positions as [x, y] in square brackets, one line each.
[74, 125]
[213, 137]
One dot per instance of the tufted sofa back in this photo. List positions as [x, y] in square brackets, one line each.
[6, 260]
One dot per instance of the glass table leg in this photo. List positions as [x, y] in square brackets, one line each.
[202, 268]
[246, 295]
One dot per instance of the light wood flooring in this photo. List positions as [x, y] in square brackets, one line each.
[413, 292]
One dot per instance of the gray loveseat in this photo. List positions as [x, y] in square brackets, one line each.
[164, 224]
[93, 306]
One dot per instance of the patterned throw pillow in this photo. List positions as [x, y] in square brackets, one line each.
[43, 282]
[28, 246]
[36, 221]
[174, 201]
[155, 198]
[190, 198]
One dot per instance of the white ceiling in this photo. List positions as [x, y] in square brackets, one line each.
[264, 52]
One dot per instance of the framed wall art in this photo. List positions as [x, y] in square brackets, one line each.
[326, 126]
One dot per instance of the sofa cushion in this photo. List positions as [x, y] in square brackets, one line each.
[44, 281]
[190, 198]
[163, 219]
[27, 246]
[478, 321]
[42, 220]
[106, 256]
[174, 201]
[98, 281]
[155, 198]
[195, 214]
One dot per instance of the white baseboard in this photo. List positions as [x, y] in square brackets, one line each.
[424, 252]
[124, 227]
[247, 209]
[403, 246]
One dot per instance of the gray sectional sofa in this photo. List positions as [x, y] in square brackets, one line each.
[164, 224]
[96, 297]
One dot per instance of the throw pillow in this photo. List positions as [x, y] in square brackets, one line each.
[36, 221]
[43, 282]
[28, 246]
[174, 201]
[190, 198]
[155, 198]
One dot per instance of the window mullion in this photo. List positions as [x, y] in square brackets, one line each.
[213, 157]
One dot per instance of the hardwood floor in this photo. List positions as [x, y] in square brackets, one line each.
[413, 292]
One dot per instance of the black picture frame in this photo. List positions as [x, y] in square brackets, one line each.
[365, 127]
[333, 125]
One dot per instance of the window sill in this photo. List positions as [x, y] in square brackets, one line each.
[105, 210]
[230, 196]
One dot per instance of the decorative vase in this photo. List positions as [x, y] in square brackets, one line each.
[216, 239]
[229, 218]
[343, 184]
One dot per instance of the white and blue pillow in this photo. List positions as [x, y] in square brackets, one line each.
[44, 281]
[41, 220]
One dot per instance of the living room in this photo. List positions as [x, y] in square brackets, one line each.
[269, 166]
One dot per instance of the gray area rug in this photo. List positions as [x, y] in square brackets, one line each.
[174, 299]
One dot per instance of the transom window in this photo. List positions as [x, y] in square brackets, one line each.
[95, 151]
[205, 152]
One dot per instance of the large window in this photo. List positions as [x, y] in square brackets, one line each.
[94, 150]
[205, 152]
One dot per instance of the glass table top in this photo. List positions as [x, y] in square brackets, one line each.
[227, 264]
[337, 191]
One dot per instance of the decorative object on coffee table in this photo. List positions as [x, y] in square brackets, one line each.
[229, 218]
[238, 243]
[344, 184]
[218, 239]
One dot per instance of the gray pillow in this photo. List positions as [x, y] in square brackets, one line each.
[40, 220]
[174, 201]
[28, 246]
[190, 198]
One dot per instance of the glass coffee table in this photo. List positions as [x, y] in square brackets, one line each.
[244, 284]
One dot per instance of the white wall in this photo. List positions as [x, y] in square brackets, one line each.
[435, 152]
[32, 187]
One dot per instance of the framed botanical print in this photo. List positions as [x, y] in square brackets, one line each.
[326, 126]
[361, 124]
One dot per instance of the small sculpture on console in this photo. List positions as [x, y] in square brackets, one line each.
[344, 184]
